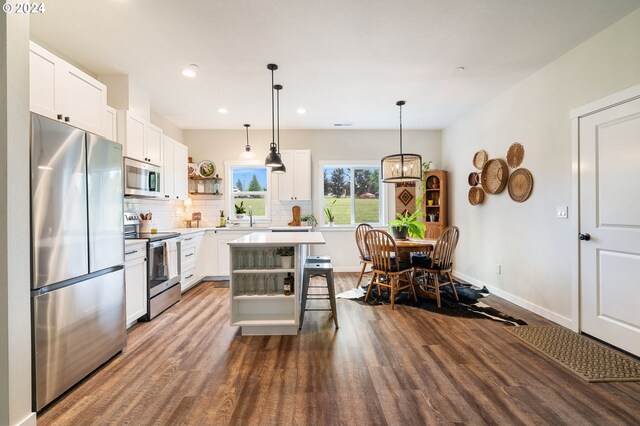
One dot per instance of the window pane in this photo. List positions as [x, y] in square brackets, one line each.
[337, 194]
[249, 188]
[366, 184]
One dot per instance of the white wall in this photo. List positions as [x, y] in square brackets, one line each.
[15, 330]
[325, 145]
[534, 247]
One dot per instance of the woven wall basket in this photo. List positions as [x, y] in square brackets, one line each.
[473, 179]
[495, 175]
[515, 155]
[520, 185]
[476, 195]
[479, 159]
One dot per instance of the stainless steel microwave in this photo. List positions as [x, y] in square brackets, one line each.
[141, 179]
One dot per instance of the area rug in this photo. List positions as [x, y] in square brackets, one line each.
[469, 305]
[588, 359]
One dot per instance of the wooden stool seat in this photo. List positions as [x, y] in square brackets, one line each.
[318, 259]
[318, 269]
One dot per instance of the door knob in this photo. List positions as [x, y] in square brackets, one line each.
[584, 237]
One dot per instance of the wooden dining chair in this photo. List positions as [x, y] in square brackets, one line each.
[427, 269]
[365, 260]
[388, 271]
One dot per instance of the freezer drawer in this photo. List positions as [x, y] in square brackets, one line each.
[76, 329]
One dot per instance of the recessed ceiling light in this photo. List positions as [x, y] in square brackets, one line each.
[190, 71]
[301, 111]
[222, 110]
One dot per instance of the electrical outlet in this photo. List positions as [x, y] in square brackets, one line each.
[499, 269]
[562, 212]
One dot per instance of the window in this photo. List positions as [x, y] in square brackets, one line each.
[248, 187]
[352, 192]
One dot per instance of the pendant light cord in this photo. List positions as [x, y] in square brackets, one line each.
[400, 129]
[247, 147]
[273, 131]
[278, 88]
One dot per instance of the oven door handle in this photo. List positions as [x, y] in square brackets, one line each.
[162, 242]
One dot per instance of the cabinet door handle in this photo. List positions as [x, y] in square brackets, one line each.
[189, 255]
[187, 239]
[130, 252]
[67, 119]
[186, 278]
[59, 116]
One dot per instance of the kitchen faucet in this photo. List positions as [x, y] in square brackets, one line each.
[251, 216]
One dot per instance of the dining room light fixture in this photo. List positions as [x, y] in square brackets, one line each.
[273, 158]
[279, 169]
[247, 154]
[401, 167]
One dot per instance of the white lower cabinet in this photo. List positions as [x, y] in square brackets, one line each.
[135, 273]
[207, 263]
[190, 249]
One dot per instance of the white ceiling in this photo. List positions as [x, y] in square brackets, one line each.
[344, 61]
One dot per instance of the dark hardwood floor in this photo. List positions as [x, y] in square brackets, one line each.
[407, 366]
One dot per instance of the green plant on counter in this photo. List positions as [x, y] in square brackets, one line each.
[240, 209]
[284, 251]
[310, 219]
[415, 228]
[328, 212]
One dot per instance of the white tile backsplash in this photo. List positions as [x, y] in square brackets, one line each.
[171, 214]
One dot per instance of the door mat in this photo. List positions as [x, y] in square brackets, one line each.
[588, 359]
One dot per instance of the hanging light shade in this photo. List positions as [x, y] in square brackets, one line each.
[401, 167]
[247, 154]
[280, 169]
[273, 158]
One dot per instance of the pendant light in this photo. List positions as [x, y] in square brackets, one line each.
[401, 167]
[273, 158]
[247, 155]
[280, 169]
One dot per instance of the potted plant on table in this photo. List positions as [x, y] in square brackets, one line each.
[286, 256]
[406, 224]
[328, 212]
[308, 220]
[240, 210]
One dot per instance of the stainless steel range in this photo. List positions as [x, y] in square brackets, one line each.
[163, 265]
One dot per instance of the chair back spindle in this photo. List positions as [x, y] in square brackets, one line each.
[361, 231]
[445, 246]
[382, 250]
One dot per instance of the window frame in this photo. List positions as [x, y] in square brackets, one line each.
[229, 165]
[355, 164]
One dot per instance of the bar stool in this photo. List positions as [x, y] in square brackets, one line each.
[318, 270]
[318, 259]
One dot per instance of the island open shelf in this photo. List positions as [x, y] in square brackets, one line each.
[258, 302]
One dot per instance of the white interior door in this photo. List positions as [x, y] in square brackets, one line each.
[610, 214]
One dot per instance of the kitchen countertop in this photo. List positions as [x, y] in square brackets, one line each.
[279, 238]
[185, 231]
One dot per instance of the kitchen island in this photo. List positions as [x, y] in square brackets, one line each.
[258, 302]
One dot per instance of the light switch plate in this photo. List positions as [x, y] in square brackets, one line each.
[562, 212]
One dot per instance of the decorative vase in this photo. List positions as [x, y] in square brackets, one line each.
[399, 233]
[304, 223]
[331, 223]
[286, 261]
[239, 215]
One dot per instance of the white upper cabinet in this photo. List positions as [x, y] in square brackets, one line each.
[174, 170]
[295, 184]
[141, 140]
[110, 126]
[180, 170]
[62, 92]
[153, 147]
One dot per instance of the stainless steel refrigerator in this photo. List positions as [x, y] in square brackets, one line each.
[77, 255]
